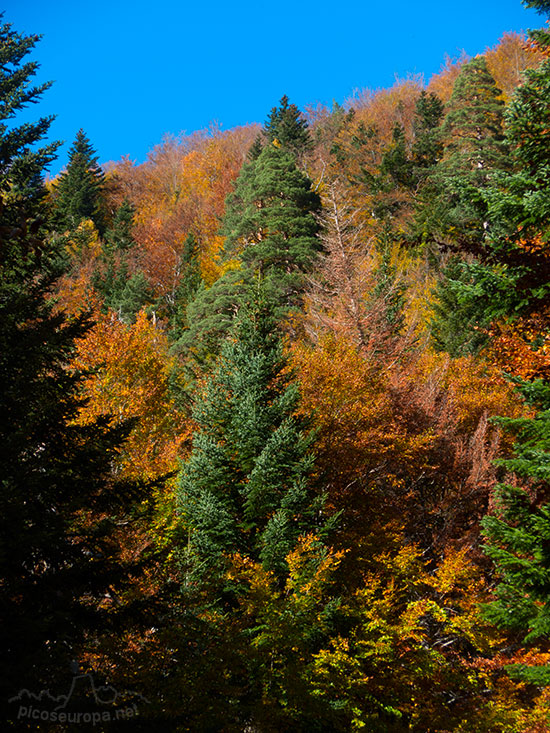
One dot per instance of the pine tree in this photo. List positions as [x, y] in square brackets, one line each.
[21, 162]
[247, 485]
[79, 190]
[287, 128]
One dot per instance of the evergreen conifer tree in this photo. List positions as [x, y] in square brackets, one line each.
[60, 504]
[118, 236]
[22, 162]
[246, 487]
[190, 282]
[541, 37]
[271, 226]
[271, 233]
[453, 210]
[286, 127]
[427, 147]
[518, 534]
[79, 189]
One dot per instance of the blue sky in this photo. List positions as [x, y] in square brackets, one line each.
[129, 72]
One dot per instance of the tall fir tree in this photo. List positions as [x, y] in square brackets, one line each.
[79, 190]
[247, 485]
[518, 535]
[271, 232]
[453, 211]
[22, 160]
[61, 507]
[270, 224]
[287, 127]
[427, 147]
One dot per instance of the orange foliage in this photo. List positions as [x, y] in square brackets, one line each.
[509, 59]
[383, 108]
[442, 83]
[181, 188]
[130, 371]
[412, 433]
[522, 347]
[74, 291]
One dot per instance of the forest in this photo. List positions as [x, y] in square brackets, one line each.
[275, 411]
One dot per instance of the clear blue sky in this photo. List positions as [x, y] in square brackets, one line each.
[129, 72]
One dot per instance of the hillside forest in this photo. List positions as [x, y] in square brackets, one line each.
[275, 410]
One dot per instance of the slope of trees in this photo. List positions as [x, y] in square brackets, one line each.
[275, 409]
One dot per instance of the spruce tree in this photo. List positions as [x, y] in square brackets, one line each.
[247, 486]
[79, 190]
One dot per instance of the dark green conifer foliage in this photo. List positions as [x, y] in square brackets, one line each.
[119, 237]
[271, 231]
[540, 36]
[122, 291]
[190, 282]
[256, 148]
[396, 161]
[460, 314]
[518, 534]
[509, 278]
[271, 226]
[59, 502]
[427, 147]
[388, 290]
[453, 210]
[21, 162]
[79, 189]
[246, 486]
[286, 127]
